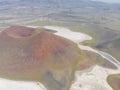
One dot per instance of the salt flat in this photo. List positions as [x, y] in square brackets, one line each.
[95, 79]
[6, 84]
[66, 33]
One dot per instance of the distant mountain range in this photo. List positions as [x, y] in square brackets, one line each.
[58, 3]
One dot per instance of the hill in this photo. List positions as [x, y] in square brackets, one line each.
[37, 55]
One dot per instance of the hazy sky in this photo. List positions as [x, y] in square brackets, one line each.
[109, 1]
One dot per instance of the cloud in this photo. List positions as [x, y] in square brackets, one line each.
[108, 1]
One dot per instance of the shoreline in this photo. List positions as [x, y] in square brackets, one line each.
[100, 74]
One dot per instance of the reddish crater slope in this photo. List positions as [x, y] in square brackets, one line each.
[38, 55]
